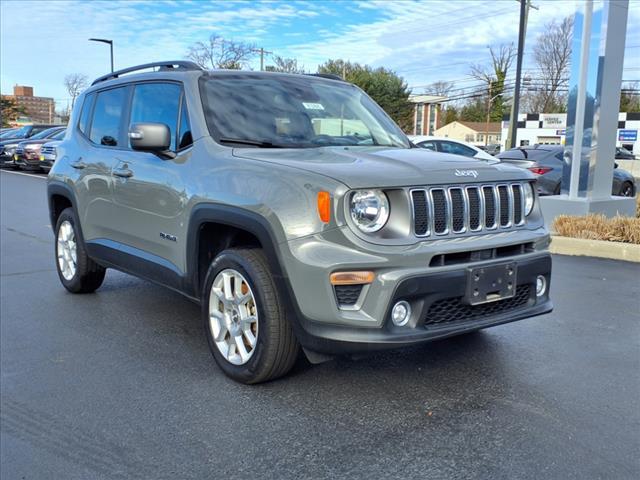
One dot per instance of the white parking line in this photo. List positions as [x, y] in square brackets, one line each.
[43, 177]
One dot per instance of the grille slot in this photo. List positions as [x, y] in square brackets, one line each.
[420, 212]
[517, 204]
[347, 295]
[489, 207]
[457, 209]
[474, 208]
[440, 211]
[452, 310]
[505, 209]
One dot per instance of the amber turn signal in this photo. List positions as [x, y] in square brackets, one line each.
[324, 206]
[351, 278]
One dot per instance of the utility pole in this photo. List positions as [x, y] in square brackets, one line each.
[108, 42]
[525, 5]
[262, 51]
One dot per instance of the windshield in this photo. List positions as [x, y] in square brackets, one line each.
[20, 133]
[45, 133]
[285, 111]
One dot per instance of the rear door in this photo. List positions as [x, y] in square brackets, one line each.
[101, 137]
[149, 192]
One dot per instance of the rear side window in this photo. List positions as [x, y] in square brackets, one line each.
[107, 115]
[157, 103]
[85, 114]
[456, 149]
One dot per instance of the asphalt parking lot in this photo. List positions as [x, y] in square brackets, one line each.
[121, 384]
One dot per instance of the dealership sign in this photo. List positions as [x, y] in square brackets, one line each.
[627, 135]
[553, 120]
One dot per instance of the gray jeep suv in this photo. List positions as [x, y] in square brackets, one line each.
[294, 211]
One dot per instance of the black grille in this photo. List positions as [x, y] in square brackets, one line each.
[474, 208]
[450, 310]
[457, 209]
[517, 204]
[504, 205]
[439, 211]
[347, 294]
[489, 207]
[421, 221]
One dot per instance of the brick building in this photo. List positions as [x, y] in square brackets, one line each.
[426, 113]
[38, 109]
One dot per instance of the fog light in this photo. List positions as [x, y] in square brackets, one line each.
[541, 285]
[401, 313]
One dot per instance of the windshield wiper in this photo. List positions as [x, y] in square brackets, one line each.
[255, 143]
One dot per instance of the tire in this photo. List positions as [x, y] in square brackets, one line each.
[275, 349]
[557, 191]
[86, 275]
[626, 190]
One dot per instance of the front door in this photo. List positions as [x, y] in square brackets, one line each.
[150, 197]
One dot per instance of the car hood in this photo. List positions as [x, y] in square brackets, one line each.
[366, 167]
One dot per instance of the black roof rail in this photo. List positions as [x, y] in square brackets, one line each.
[331, 76]
[168, 65]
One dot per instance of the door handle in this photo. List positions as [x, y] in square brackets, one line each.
[123, 172]
[79, 164]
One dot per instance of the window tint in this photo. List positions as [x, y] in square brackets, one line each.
[157, 103]
[457, 149]
[428, 145]
[105, 127]
[184, 132]
[83, 124]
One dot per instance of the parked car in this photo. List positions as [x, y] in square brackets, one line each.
[48, 155]
[250, 193]
[547, 163]
[9, 145]
[7, 132]
[624, 154]
[27, 154]
[447, 145]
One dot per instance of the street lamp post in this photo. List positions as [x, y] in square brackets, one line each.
[110, 42]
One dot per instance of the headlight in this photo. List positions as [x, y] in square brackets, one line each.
[369, 210]
[528, 198]
[10, 149]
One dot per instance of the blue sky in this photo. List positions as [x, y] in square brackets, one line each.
[424, 41]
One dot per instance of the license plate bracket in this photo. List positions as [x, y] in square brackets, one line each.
[490, 283]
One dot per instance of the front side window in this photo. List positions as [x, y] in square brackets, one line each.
[157, 103]
[293, 112]
[107, 116]
[456, 149]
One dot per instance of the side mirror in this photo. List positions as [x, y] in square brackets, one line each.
[151, 137]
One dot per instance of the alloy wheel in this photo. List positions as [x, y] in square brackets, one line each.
[67, 250]
[233, 316]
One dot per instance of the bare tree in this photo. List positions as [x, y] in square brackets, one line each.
[217, 52]
[552, 54]
[440, 88]
[494, 75]
[286, 65]
[75, 83]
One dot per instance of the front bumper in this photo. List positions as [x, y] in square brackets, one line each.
[323, 326]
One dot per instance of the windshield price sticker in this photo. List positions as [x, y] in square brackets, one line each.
[313, 106]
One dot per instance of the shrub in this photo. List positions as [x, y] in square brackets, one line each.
[599, 227]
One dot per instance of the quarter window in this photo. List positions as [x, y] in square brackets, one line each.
[185, 138]
[85, 114]
[107, 115]
[157, 103]
[428, 145]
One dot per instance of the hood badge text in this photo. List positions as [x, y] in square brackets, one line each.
[466, 173]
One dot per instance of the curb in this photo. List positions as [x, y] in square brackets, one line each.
[628, 252]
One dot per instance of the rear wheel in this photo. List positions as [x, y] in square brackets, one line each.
[244, 318]
[77, 272]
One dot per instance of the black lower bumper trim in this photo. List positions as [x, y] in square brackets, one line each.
[422, 292]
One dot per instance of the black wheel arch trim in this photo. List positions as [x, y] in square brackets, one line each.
[58, 188]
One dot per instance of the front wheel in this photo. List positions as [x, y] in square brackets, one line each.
[244, 318]
[77, 272]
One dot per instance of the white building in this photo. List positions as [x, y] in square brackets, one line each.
[550, 129]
